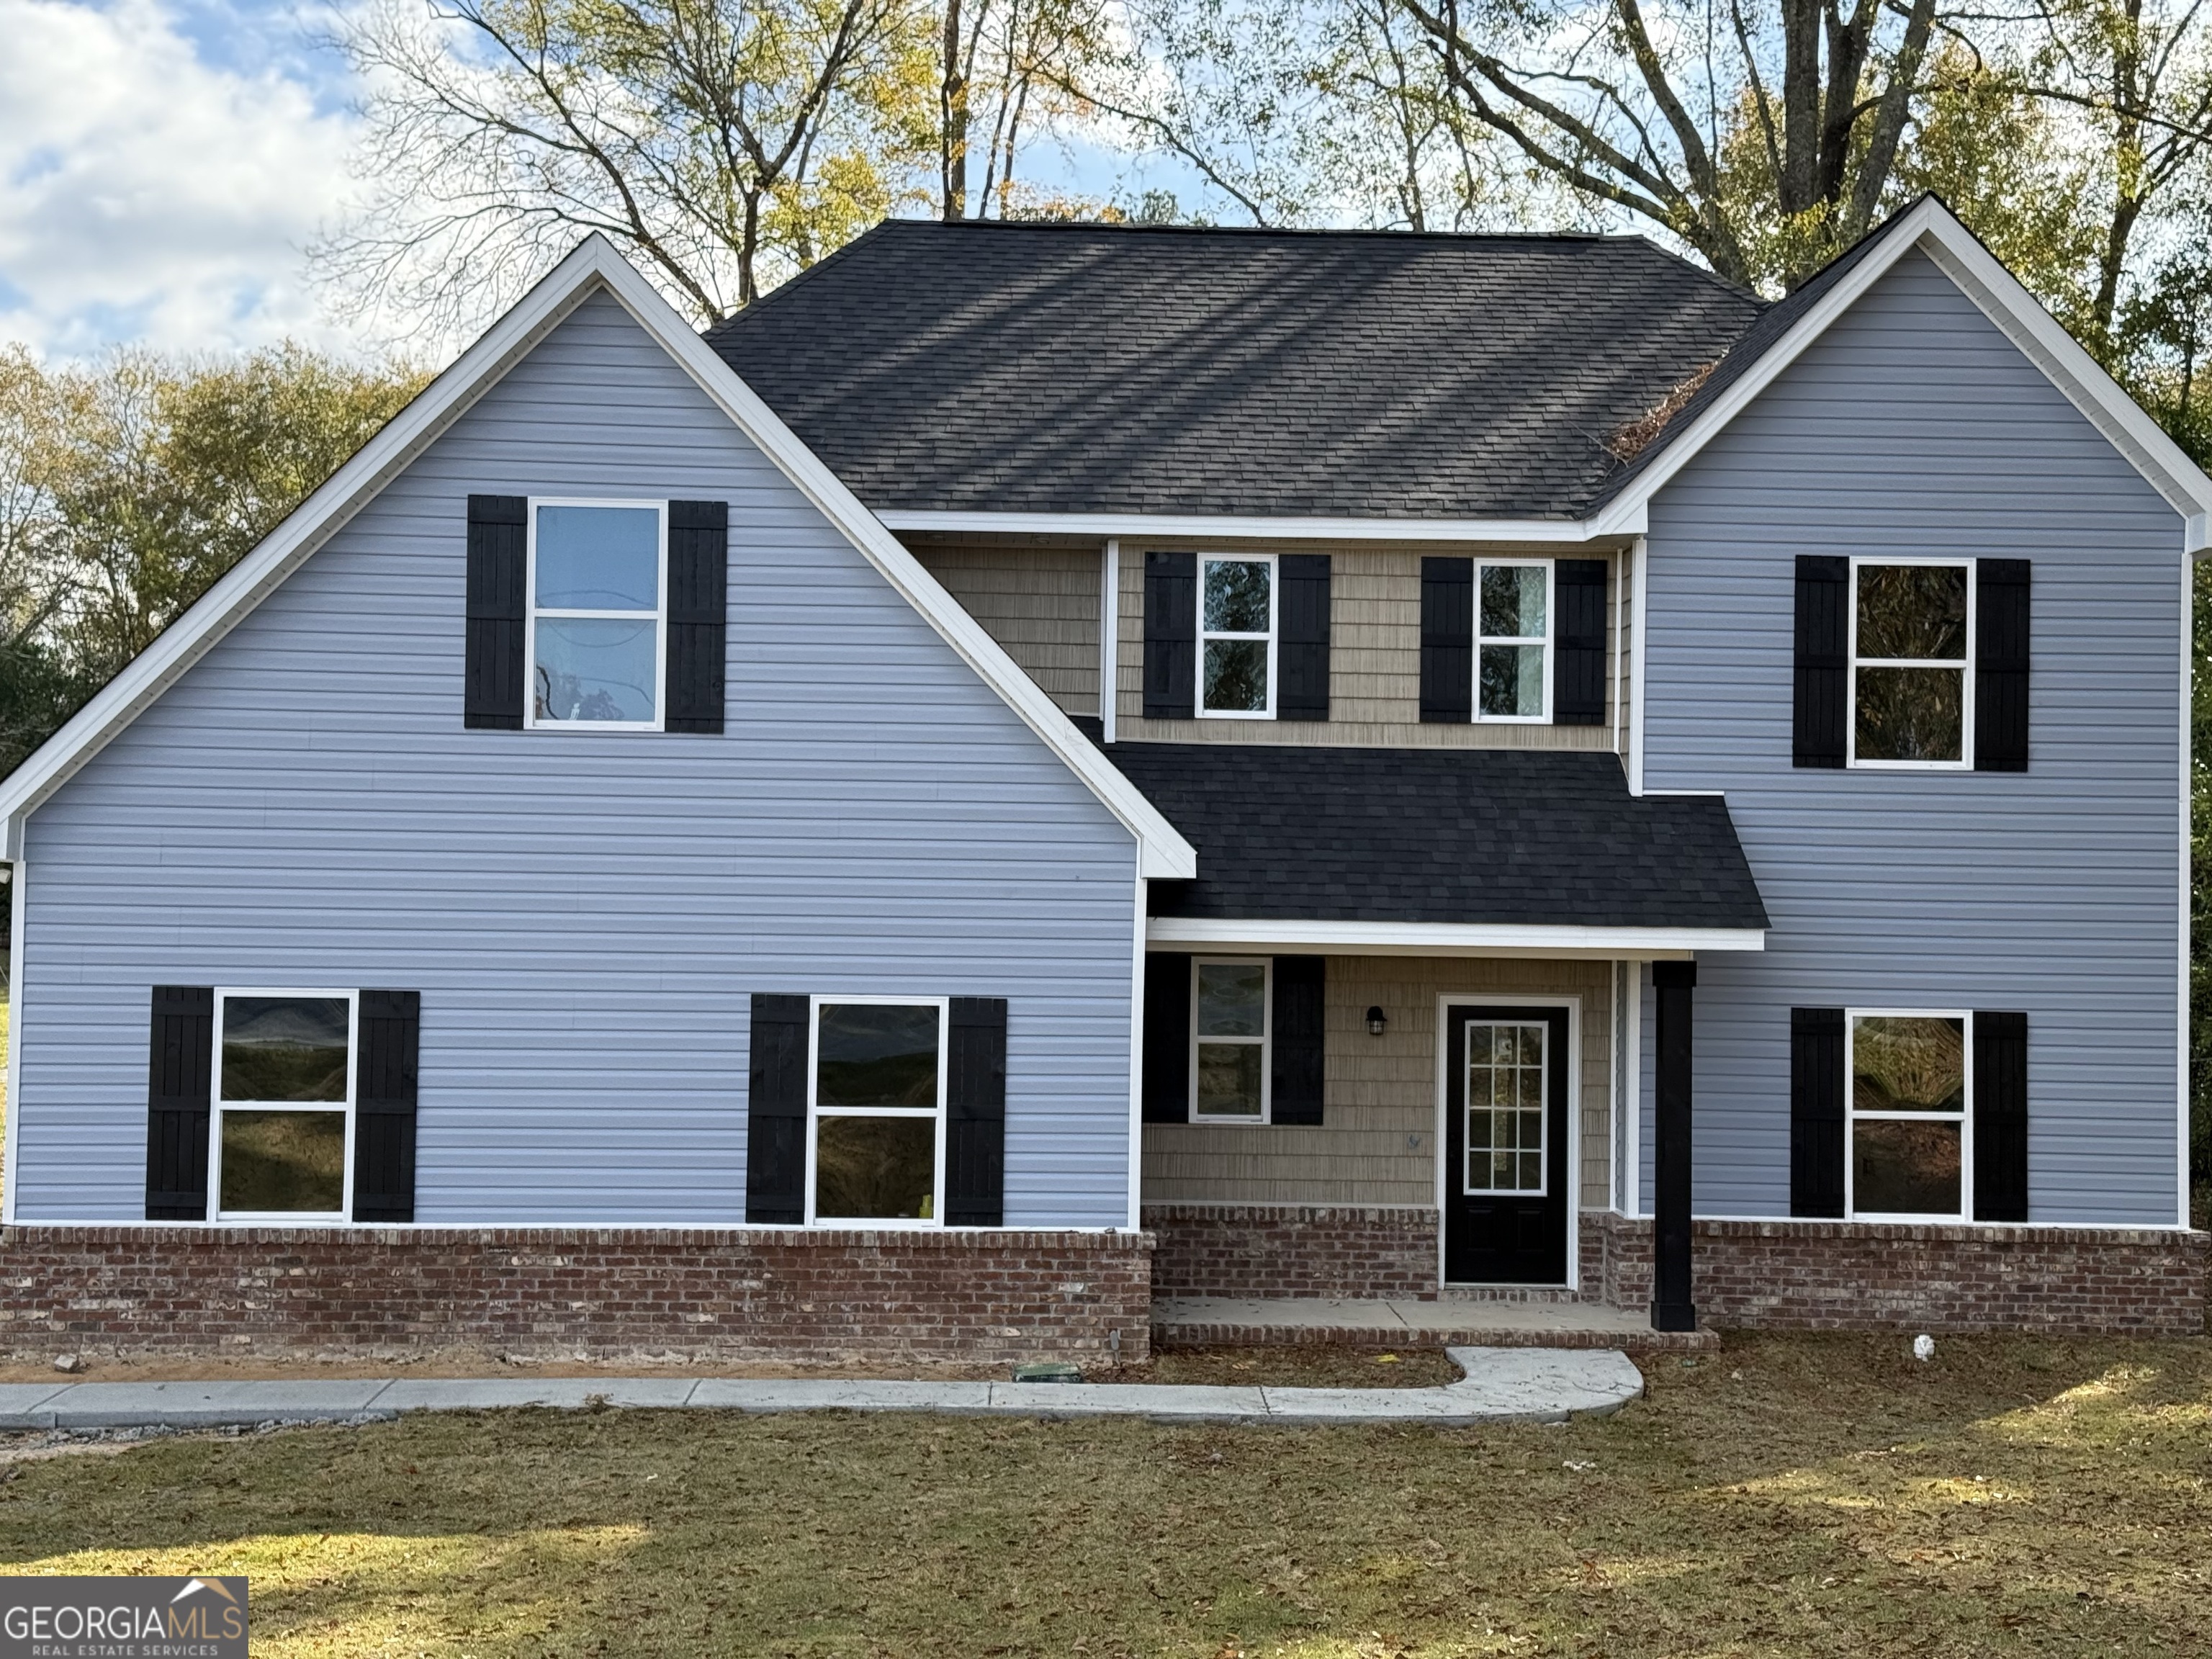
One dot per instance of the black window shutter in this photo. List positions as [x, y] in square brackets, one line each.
[976, 1113]
[1578, 642]
[1823, 676]
[1301, 647]
[1300, 1015]
[1447, 640]
[698, 614]
[775, 1110]
[1167, 1037]
[1816, 1111]
[1170, 635]
[2000, 1117]
[384, 1106]
[2000, 652]
[498, 585]
[180, 1071]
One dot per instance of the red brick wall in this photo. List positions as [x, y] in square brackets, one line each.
[1836, 1275]
[955, 1295]
[1263, 1250]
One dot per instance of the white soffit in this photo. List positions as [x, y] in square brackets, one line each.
[594, 265]
[1442, 938]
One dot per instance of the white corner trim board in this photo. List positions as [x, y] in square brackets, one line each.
[594, 265]
[1443, 938]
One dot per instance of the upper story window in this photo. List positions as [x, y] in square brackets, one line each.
[283, 1083]
[1910, 1085]
[1912, 643]
[1236, 637]
[598, 631]
[877, 1106]
[1513, 640]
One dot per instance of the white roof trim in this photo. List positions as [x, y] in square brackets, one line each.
[595, 264]
[1240, 526]
[1932, 228]
[1443, 938]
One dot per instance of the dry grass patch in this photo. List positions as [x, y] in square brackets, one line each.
[1790, 1496]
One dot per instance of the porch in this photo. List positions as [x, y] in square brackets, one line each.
[1257, 1322]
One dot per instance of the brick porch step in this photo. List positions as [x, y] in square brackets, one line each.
[1239, 1321]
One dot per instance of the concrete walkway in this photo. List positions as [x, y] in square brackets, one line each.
[1499, 1385]
[1444, 1323]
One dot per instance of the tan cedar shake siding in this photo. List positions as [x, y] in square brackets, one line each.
[1375, 654]
[1377, 1142]
[1040, 603]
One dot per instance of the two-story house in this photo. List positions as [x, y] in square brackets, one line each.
[1046, 765]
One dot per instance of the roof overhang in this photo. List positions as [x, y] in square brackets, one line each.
[1224, 526]
[1262, 937]
[594, 267]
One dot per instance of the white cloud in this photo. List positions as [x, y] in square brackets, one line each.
[147, 195]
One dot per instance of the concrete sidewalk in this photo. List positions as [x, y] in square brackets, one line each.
[1499, 1385]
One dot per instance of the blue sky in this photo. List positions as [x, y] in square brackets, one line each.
[164, 165]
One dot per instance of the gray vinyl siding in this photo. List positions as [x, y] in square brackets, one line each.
[585, 916]
[1914, 427]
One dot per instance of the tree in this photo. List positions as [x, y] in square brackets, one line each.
[1023, 62]
[125, 491]
[1637, 109]
[724, 142]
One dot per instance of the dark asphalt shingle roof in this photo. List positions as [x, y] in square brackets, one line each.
[1311, 833]
[1066, 369]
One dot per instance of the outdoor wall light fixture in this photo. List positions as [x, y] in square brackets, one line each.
[1375, 1021]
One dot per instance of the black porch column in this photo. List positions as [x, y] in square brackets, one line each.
[1672, 1308]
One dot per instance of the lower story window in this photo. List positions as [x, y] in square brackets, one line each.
[1228, 1041]
[283, 1131]
[876, 1111]
[1910, 1097]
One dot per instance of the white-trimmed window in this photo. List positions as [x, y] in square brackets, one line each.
[1230, 1056]
[281, 1141]
[875, 1096]
[1513, 640]
[1913, 651]
[1503, 1095]
[596, 641]
[1236, 609]
[1911, 1082]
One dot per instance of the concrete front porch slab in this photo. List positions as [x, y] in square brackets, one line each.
[1240, 1321]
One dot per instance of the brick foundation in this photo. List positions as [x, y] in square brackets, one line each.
[956, 1295]
[1266, 1250]
[1863, 1276]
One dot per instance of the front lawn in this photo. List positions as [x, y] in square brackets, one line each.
[1789, 1496]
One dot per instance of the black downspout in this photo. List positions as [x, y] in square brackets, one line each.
[1672, 1308]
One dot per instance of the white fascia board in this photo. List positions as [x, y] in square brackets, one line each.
[1163, 853]
[595, 264]
[1445, 938]
[1933, 229]
[281, 552]
[1150, 526]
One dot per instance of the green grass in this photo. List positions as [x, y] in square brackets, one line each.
[1790, 1496]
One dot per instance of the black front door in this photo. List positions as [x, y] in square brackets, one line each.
[1505, 1145]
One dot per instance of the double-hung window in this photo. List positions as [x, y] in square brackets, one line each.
[1513, 640]
[1236, 637]
[598, 634]
[1230, 1057]
[876, 1111]
[1912, 1092]
[283, 1076]
[1912, 645]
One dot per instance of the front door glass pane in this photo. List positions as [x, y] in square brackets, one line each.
[1505, 1108]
